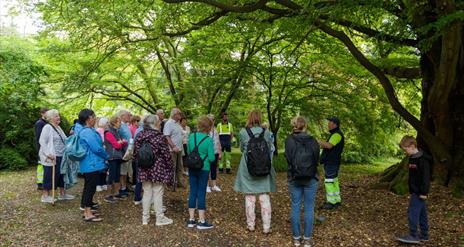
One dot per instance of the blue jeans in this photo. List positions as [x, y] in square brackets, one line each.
[298, 193]
[198, 180]
[417, 215]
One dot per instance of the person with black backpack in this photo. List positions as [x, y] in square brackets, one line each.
[154, 168]
[255, 175]
[302, 154]
[200, 155]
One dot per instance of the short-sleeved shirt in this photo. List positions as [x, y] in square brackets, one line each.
[174, 130]
[224, 129]
[335, 139]
[205, 149]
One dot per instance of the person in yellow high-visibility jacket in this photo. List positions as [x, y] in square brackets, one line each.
[225, 131]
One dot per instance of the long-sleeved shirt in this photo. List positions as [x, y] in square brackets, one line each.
[419, 173]
[51, 144]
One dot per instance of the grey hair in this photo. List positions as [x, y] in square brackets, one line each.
[103, 122]
[174, 111]
[159, 111]
[123, 112]
[150, 122]
[50, 113]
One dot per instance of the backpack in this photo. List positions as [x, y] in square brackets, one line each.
[258, 158]
[145, 157]
[303, 162]
[194, 160]
[73, 148]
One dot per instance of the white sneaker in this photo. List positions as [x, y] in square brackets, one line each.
[144, 221]
[163, 220]
[65, 197]
[186, 173]
[208, 189]
[104, 187]
[216, 188]
[47, 199]
[99, 188]
[137, 203]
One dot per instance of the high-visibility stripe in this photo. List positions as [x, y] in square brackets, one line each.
[329, 180]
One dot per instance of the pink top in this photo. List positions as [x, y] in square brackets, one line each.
[132, 129]
[101, 131]
[114, 142]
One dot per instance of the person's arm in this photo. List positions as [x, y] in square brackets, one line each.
[113, 141]
[243, 139]
[45, 138]
[94, 143]
[333, 141]
[210, 156]
[425, 172]
[216, 140]
[167, 132]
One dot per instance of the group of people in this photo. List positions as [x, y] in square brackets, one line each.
[116, 146]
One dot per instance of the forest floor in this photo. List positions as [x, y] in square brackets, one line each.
[368, 217]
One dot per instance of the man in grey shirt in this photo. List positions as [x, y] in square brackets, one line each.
[173, 132]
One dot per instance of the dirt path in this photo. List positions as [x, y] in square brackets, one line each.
[368, 217]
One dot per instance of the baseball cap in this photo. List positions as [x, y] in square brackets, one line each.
[334, 120]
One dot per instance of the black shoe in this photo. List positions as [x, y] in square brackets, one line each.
[338, 204]
[221, 170]
[228, 171]
[39, 187]
[328, 206]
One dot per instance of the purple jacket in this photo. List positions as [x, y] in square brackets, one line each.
[163, 170]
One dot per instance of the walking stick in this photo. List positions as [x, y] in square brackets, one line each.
[53, 181]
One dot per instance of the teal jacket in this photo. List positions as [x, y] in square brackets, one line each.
[206, 148]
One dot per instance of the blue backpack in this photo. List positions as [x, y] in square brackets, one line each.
[73, 148]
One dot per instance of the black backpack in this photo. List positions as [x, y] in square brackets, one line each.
[303, 162]
[194, 160]
[258, 156]
[145, 157]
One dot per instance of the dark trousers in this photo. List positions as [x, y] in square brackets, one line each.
[101, 178]
[138, 184]
[90, 184]
[214, 164]
[417, 215]
[48, 171]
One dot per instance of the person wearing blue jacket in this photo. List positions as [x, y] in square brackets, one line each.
[93, 162]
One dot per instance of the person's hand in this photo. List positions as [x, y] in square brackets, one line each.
[176, 149]
[220, 156]
[51, 157]
[423, 197]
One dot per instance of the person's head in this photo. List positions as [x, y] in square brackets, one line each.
[135, 120]
[53, 116]
[125, 116]
[151, 122]
[333, 123]
[224, 116]
[254, 119]
[102, 122]
[43, 110]
[204, 124]
[160, 114]
[87, 117]
[211, 117]
[299, 124]
[183, 121]
[409, 145]
[176, 114]
[115, 122]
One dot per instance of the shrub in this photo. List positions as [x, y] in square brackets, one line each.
[12, 160]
